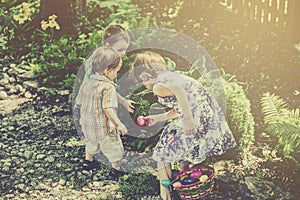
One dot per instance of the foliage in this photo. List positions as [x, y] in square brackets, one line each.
[143, 184]
[58, 58]
[282, 123]
[239, 116]
[142, 104]
[55, 59]
[231, 98]
[16, 20]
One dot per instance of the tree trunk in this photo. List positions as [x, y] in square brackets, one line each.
[67, 12]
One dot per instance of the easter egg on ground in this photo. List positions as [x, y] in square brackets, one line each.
[177, 185]
[188, 181]
[165, 183]
[203, 178]
[196, 174]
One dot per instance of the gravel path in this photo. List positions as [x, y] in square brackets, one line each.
[40, 159]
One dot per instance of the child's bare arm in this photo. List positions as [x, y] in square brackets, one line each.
[153, 119]
[174, 89]
[110, 113]
[128, 104]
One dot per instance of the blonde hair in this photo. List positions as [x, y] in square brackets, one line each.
[105, 58]
[148, 62]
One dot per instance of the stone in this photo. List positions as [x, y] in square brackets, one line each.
[62, 182]
[50, 159]
[4, 81]
[20, 88]
[40, 156]
[97, 184]
[86, 189]
[31, 84]
[27, 95]
[19, 70]
[12, 79]
[9, 196]
[28, 75]
[28, 154]
[11, 128]
[256, 188]
[64, 92]
[23, 195]
[3, 95]
[21, 187]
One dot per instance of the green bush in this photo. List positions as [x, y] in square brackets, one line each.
[16, 18]
[239, 116]
[283, 123]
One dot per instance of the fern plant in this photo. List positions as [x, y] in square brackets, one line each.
[283, 123]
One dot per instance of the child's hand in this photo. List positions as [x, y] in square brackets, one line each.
[129, 105]
[122, 129]
[189, 127]
[151, 120]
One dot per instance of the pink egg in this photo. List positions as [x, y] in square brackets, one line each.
[196, 174]
[177, 185]
[140, 121]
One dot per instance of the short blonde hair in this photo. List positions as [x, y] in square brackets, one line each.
[105, 58]
[148, 62]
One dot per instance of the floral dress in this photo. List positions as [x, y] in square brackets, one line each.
[214, 136]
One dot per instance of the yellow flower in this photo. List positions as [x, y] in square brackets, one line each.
[16, 17]
[52, 17]
[25, 5]
[22, 18]
[57, 27]
[52, 23]
[82, 36]
[44, 25]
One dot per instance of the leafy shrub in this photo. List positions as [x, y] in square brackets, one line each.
[282, 123]
[58, 59]
[16, 17]
[239, 116]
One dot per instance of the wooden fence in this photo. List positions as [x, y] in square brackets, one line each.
[280, 15]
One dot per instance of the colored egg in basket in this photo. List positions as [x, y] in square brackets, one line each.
[166, 183]
[203, 178]
[188, 181]
[177, 185]
[196, 174]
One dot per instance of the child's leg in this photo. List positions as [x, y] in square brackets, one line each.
[164, 171]
[88, 156]
[116, 165]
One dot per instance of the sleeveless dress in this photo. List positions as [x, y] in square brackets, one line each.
[214, 136]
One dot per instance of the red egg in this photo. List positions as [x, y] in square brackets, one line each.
[140, 121]
[177, 185]
[196, 174]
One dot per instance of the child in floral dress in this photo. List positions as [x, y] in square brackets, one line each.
[198, 128]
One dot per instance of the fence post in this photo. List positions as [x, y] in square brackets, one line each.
[292, 26]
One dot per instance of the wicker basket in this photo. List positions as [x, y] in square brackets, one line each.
[200, 187]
